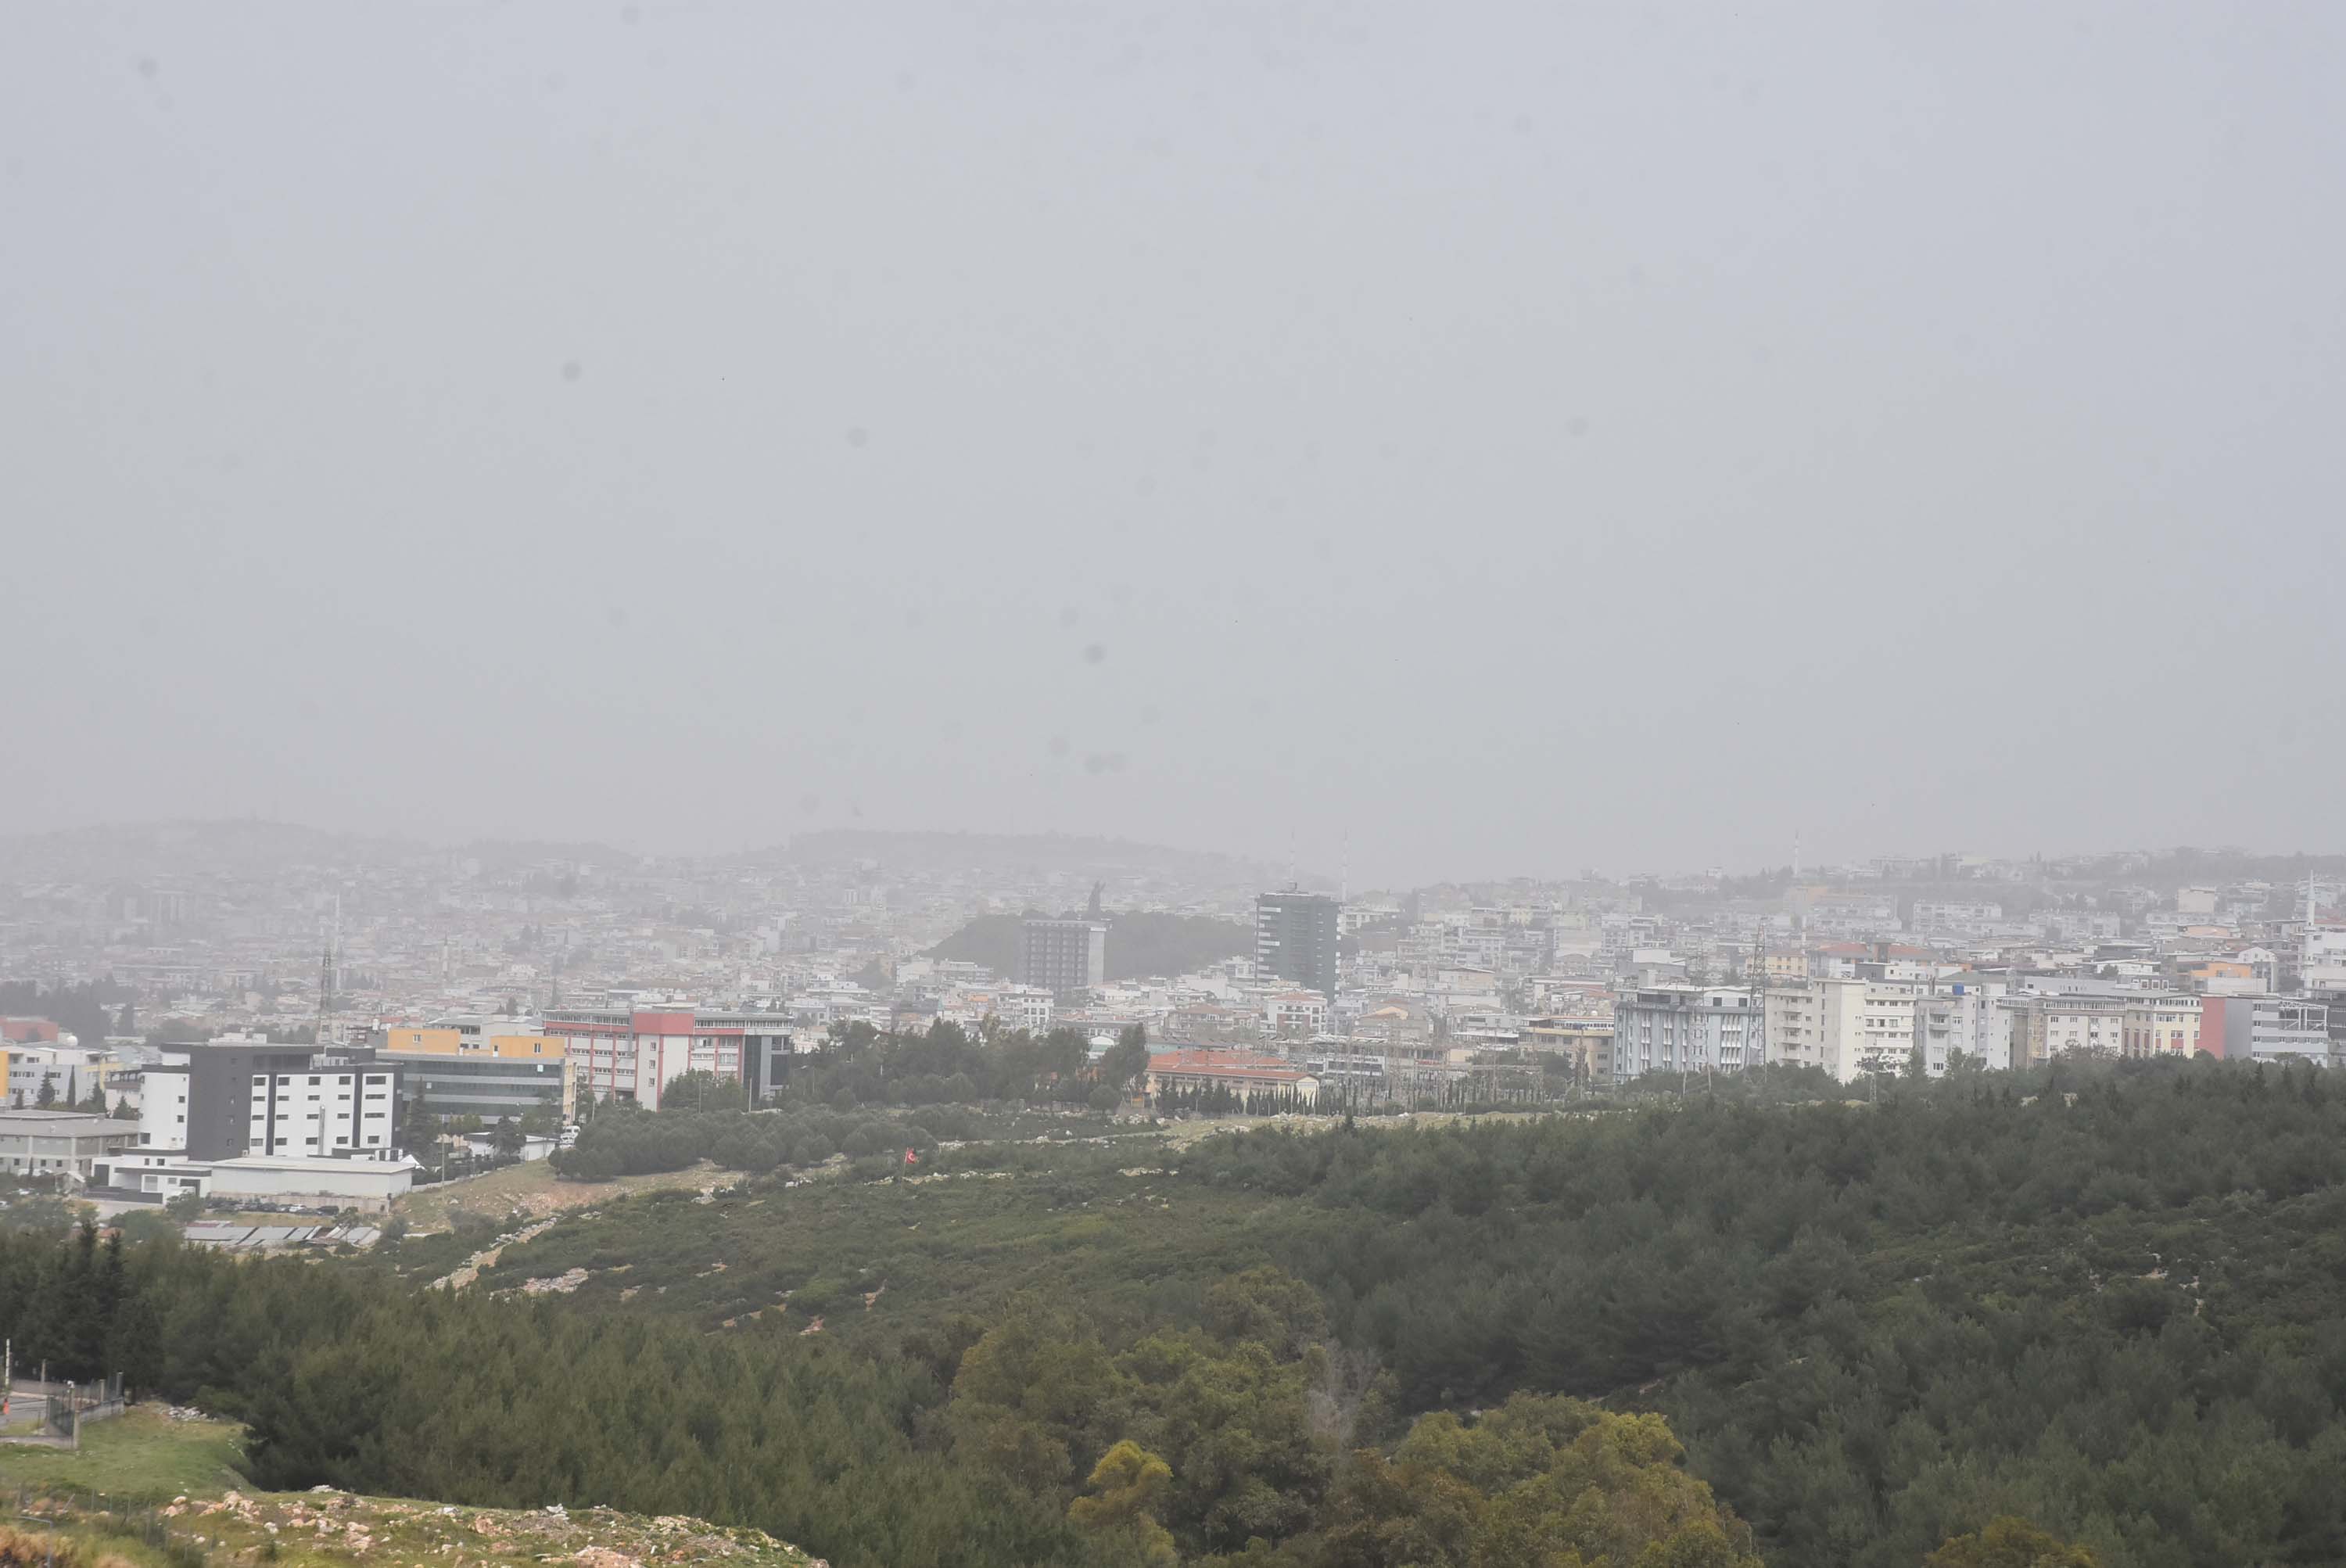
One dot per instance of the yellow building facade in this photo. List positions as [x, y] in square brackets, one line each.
[451, 1042]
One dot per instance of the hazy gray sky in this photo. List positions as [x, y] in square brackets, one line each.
[1516, 437]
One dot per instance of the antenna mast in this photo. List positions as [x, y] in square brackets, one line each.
[1800, 905]
[326, 976]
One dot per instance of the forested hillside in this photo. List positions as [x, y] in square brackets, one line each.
[2110, 1306]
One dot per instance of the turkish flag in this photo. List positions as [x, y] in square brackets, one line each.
[911, 1159]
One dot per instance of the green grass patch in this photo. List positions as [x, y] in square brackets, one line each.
[141, 1455]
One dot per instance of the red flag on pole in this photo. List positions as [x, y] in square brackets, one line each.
[911, 1159]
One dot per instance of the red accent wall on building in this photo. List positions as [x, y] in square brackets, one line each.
[2211, 1026]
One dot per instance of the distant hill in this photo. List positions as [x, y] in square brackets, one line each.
[253, 846]
[1017, 854]
[225, 847]
[1139, 943]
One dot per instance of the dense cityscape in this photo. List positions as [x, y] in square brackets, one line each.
[494, 982]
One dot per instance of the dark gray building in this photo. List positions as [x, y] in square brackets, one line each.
[476, 1083]
[1062, 956]
[222, 1094]
[1295, 935]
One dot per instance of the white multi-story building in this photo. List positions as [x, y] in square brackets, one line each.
[1027, 1007]
[1932, 916]
[1956, 920]
[2081, 925]
[1794, 1019]
[2321, 960]
[1880, 1032]
[1960, 1014]
[328, 1111]
[1846, 1025]
[163, 1095]
[68, 1072]
[1296, 1014]
[1687, 1029]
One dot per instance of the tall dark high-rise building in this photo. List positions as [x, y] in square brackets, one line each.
[1295, 937]
[1063, 956]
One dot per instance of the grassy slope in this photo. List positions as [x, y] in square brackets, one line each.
[139, 1456]
[947, 1245]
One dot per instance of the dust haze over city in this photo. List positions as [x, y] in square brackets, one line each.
[1508, 440]
[1222, 786]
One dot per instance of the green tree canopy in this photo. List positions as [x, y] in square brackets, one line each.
[2010, 1542]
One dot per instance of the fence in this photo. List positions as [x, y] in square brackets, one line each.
[59, 1410]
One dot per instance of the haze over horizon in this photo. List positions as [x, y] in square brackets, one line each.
[1457, 445]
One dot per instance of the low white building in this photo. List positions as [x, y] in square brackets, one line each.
[57, 1143]
[266, 1180]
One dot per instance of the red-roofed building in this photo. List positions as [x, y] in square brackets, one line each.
[1240, 1072]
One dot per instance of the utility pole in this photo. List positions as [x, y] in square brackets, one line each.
[1756, 985]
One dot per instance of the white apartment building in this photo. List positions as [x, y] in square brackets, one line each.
[69, 1072]
[163, 1093]
[1879, 1025]
[2321, 960]
[1027, 1007]
[1847, 1026]
[1962, 1016]
[1946, 916]
[1794, 1020]
[2081, 925]
[1297, 1015]
[328, 1111]
[1687, 1029]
